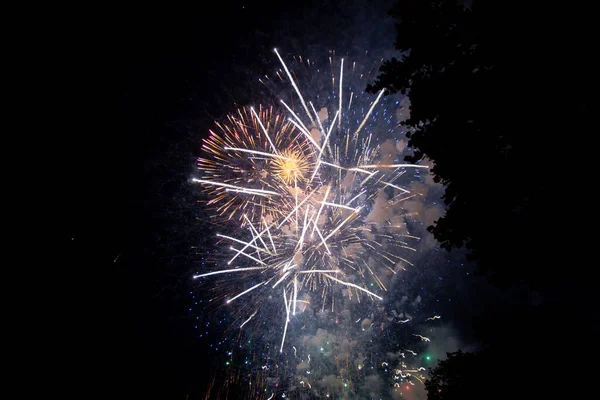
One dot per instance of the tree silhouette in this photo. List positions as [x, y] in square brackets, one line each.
[491, 375]
[495, 98]
[456, 377]
[501, 102]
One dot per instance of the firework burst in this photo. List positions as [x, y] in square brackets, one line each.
[314, 201]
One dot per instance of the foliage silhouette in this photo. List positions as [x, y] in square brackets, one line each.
[454, 377]
[493, 106]
[500, 102]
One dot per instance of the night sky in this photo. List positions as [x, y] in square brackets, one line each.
[141, 88]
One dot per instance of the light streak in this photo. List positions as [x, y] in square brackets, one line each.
[337, 228]
[341, 206]
[244, 292]
[353, 285]
[225, 271]
[304, 226]
[264, 129]
[340, 96]
[306, 133]
[255, 232]
[295, 294]
[252, 192]
[316, 220]
[393, 166]
[262, 153]
[246, 321]
[320, 271]
[268, 178]
[287, 319]
[299, 122]
[270, 237]
[237, 188]
[370, 111]
[280, 280]
[242, 242]
[247, 255]
[294, 85]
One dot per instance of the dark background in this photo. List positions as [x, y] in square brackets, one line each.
[138, 89]
[134, 91]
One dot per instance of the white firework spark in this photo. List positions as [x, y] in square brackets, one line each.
[306, 190]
